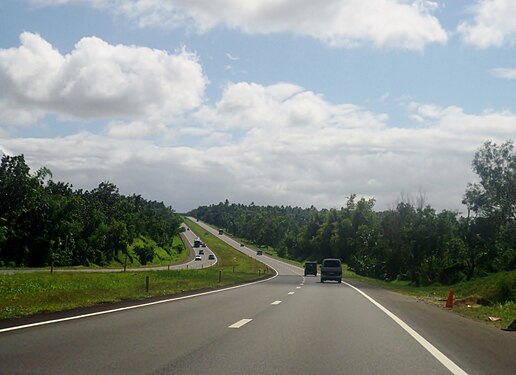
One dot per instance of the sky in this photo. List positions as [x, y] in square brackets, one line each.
[276, 102]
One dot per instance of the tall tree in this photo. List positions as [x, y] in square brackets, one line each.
[495, 195]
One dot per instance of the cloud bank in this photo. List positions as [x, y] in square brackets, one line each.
[271, 144]
[339, 23]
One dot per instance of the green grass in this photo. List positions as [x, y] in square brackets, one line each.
[176, 253]
[268, 250]
[228, 257]
[478, 299]
[26, 294]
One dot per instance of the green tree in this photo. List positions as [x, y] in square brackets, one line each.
[493, 201]
[495, 195]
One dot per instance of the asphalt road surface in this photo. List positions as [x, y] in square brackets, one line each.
[286, 325]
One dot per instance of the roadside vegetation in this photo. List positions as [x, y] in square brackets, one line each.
[24, 294]
[44, 222]
[489, 299]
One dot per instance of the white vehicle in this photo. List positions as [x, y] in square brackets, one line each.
[198, 257]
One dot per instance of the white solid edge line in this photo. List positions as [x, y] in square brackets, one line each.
[447, 362]
[134, 306]
[240, 323]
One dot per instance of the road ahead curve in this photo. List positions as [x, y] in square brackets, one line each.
[290, 324]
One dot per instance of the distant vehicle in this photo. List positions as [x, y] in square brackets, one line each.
[310, 268]
[211, 257]
[201, 252]
[241, 245]
[197, 242]
[259, 252]
[198, 257]
[221, 231]
[331, 269]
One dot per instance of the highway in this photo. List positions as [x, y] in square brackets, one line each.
[285, 325]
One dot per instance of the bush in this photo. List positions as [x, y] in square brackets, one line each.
[145, 254]
[505, 290]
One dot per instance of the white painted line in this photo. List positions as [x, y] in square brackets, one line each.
[447, 362]
[276, 303]
[133, 307]
[290, 293]
[240, 323]
[298, 287]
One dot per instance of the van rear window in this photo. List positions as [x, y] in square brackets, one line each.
[331, 263]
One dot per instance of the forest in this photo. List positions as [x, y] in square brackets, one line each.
[410, 241]
[43, 222]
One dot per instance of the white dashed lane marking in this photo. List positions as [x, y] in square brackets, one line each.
[276, 303]
[290, 293]
[240, 323]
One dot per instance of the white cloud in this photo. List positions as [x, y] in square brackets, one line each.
[252, 106]
[505, 73]
[96, 80]
[231, 57]
[494, 24]
[406, 24]
[281, 144]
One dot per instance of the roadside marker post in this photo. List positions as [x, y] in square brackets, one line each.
[147, 283]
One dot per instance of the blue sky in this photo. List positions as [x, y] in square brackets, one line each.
[276, 102]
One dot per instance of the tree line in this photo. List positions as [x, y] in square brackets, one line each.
[44, 222]
[411, 241]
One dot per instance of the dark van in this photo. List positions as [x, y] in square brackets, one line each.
[311, 268]
[331, 269]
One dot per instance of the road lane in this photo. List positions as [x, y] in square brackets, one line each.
[473, 346]
[322, 329]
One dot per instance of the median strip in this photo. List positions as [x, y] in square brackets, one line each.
[240, 323]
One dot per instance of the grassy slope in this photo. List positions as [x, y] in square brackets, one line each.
[32, 293]
[176, 253]
[476, 299]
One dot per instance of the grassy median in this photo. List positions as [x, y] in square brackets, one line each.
[26, 294]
